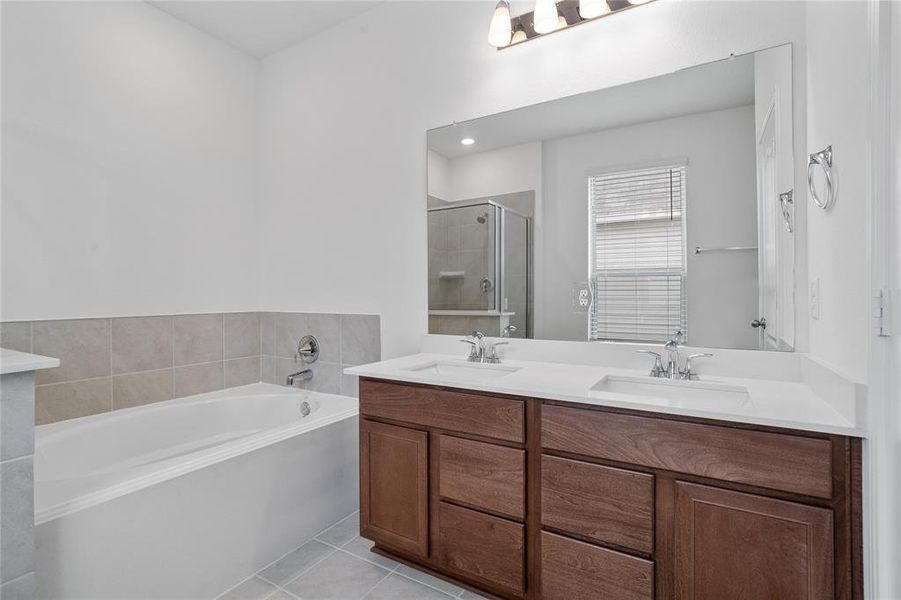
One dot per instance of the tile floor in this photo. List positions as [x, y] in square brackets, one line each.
[337, 565]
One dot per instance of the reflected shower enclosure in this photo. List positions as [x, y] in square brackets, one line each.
[480, 268]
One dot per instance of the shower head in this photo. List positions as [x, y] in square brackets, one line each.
[482, 218]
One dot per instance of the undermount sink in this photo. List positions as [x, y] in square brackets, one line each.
[463, 372]
[674, 393]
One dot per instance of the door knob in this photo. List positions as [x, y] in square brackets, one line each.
[761, 323]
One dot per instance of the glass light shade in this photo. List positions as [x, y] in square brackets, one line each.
[500, 29]
[545, 16]
[589, 9]
[519, 35]
[637, 2]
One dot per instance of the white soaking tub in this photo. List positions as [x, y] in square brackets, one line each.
[185, 498]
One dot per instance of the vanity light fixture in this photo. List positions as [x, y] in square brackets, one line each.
[549, 16]
[590, 9]
[545, 19]
[500, 29]
[467, 141]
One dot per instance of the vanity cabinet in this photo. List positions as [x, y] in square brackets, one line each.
[537, 499]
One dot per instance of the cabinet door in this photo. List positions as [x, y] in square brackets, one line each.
[394, 491]
[746, 547]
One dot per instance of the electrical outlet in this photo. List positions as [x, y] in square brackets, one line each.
[815, 298]
[581, 297]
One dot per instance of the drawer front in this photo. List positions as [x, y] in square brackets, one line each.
[500, 418]
[605, 504]
[485, 549]
[770, 460]
[573, 570]
[482, 475]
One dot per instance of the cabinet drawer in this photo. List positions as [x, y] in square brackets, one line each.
[485, 549]
[500, 418]
[482, 475]
[609, 505]
[573, 570]
[770, 460]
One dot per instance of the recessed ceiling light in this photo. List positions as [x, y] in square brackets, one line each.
[467, 141]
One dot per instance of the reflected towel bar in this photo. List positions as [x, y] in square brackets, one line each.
[698, 249]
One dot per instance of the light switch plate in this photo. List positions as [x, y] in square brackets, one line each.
[815, 298]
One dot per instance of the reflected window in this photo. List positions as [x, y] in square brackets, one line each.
[637, 254]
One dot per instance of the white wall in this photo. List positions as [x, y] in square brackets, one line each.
[129, 146]
[495, 172]
[439, 183]
[344, 115]
[719, 152]
[837, 92]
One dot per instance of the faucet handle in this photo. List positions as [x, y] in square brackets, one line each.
[475, 352]
[657, 370]
[477, 335]
[688, 373]
[491, 352]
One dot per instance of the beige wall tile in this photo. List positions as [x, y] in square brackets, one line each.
[361, 340]
[197, 379]
[267, 369]
[61, 401]
[241, 371]
[16, 336]
[289, 328]
[267, 334]
[326, 378]
[327, 330]
[81, 345]
[242, 335]
[141, 344]
[198, 338]
[137, 389]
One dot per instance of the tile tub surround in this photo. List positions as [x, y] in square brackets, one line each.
[17, 472]
[338, 565]
[345, 340]
[110, 364]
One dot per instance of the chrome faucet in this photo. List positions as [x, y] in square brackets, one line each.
[673, 368]
[489, 352]
[300, 376]
[477, 351]
[674, 355]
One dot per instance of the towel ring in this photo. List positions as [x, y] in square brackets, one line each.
[822, 159]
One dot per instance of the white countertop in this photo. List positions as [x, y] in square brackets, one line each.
[787, 404]
[13, 361]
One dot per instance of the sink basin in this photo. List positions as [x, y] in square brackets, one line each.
[463, 372]
[674, 393]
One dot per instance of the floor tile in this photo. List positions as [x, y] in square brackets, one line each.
[395, 587]
[360, 547]
[467, 595]
[281, 595]
[342, 532]
[288, 567]
[439, 584]
[340, 576]
[252, 589]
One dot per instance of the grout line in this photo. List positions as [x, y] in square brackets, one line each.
[399, 574]
[387, 575]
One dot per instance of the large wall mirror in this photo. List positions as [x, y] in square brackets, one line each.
[624, 214]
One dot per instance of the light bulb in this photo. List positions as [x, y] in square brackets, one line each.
[519, 35]
[545, 16]
[500, 29]
[561, 22]
[589, 9]
[467, 141]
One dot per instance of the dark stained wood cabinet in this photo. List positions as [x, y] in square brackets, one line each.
[394, 497]
[747, 547]
[532, 499]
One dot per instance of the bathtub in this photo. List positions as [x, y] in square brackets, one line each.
[185, 498]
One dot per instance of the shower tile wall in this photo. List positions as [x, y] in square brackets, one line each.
[459, 242]
[110, 364]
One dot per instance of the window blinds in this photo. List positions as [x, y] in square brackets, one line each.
[638, 254]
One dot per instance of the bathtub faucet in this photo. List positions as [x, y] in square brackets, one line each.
[304, 375]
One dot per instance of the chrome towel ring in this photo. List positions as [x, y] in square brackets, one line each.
[822, 159]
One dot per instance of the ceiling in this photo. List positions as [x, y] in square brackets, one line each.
[715, 86]
[262, 27]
